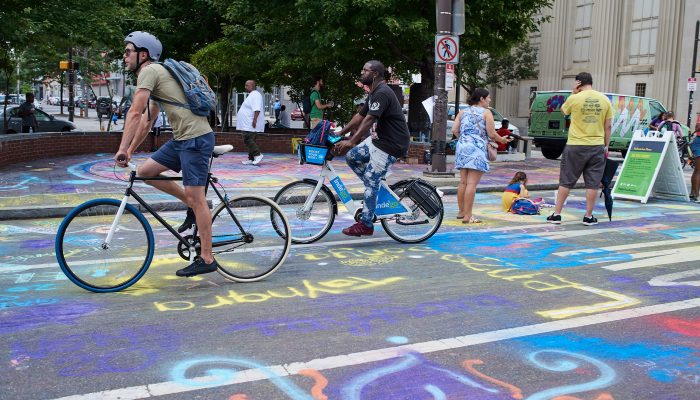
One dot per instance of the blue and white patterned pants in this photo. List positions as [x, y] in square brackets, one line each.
[371, 165]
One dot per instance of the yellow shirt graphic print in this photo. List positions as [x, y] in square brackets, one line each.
[589, 110]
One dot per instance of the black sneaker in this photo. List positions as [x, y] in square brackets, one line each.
[198, 267]
[554, 219]
[588, 221]
[189, 221]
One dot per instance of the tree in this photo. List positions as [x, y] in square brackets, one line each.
[333, 38]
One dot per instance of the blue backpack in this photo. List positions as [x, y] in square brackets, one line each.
[201, 100]
[319, 134]
[524, 207]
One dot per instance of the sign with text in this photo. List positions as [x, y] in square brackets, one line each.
[449, 76]
[651, 166]
[446, 49]
[692, 84]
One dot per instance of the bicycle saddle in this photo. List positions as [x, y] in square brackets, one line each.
[219, 150]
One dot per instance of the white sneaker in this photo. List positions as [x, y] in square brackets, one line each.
[257, 159]
[247, 162]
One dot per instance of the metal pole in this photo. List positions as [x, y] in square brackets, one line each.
[693, 69]
[438, 134]
[71, 81]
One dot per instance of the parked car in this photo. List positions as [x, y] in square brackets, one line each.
[297, 115]
[46, 122]
[497, 117]
[550, 127]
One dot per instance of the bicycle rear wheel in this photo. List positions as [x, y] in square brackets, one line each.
[253, 243]
[307, 226]
[417, 226]
[91, 263]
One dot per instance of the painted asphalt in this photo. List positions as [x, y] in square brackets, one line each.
[51, 187]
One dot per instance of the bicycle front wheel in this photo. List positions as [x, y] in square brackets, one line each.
[417, 226]
[307, 225]
[93, 264]
[252, 240]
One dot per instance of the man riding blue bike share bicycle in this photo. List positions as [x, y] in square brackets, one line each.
[388, 140]
[189, 150]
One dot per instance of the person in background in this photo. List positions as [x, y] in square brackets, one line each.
[317, 106]
[516, 189]
[586, 147]
[27, 111]
[471, 127]
[656, 122]
[251, 120]
[285, 119]
[277, 107]
[695, 149]
[505, 131]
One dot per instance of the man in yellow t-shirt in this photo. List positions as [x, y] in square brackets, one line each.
[189, 151]
[586, 148]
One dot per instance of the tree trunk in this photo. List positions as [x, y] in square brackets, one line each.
[225, 94]
[418, 119]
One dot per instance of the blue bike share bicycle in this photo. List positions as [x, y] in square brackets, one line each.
[106, 245]
[410, 210]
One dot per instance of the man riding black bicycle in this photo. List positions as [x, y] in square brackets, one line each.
[381, 116]
[189, 150]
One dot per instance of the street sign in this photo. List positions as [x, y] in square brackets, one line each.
[446, 49]
[692, 84]
[449, 76]
[63, 65]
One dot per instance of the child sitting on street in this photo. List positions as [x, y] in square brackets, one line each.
[515, 190]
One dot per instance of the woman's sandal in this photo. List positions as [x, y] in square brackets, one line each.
[472, 220]
[459, 216]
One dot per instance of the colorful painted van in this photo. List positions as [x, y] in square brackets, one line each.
[549, 127]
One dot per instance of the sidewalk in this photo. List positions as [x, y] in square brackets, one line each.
[52, 187]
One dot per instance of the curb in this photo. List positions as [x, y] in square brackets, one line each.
[447, 186]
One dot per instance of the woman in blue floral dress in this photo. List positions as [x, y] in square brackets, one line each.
[471, 126]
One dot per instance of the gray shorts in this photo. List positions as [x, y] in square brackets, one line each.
[586, 160]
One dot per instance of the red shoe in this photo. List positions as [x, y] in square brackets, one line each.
[359, 229]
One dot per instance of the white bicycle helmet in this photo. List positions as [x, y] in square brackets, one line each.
[145, 40]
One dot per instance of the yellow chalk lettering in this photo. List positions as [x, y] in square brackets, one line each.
[315, 257]
[173, 305]
[371, 284]
[496, 273]
[342, 252]
[295, 293]
[544, 286]
[313, 290]
[373, 253]
[248, 298]
[221, 301]
[620, 301]
[338, 283]
[395, 250]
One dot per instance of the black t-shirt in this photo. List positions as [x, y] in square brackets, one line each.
[392, 132]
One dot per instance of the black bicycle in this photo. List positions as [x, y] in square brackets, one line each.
[106, 245]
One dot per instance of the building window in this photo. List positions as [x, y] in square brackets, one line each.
[640, 89]
[645, 23]
[582, 35]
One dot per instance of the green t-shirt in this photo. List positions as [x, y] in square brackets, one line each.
[315, 112]
[161, 84]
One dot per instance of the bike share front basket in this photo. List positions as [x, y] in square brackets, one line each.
[426, 199]
[312, 154]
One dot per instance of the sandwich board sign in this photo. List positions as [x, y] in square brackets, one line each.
[652, 167]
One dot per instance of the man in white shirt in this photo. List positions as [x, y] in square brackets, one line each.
[250, 120]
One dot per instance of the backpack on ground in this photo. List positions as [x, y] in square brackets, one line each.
[306, 103]
[201, 100]
[524, 207]
[319, 134]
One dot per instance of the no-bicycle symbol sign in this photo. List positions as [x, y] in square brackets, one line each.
[447, 49]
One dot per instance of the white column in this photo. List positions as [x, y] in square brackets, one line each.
[551, 53]
[668, 48]
[605, 44]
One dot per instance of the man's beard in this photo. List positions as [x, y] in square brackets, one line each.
[367, 80]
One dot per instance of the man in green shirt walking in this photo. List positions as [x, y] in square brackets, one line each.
[317, 107]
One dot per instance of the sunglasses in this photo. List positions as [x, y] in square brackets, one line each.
[127, 52]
